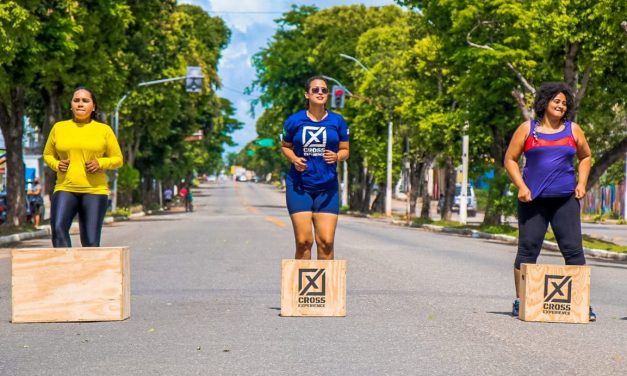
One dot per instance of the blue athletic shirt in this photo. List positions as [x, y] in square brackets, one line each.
[310, 139]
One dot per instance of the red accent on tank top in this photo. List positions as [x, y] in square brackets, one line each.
[532, 143]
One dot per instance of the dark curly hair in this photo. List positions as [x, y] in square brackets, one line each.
[94, 113]
[308, 86]
[547, 92]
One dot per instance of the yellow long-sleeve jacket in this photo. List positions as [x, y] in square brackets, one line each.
[81, 143]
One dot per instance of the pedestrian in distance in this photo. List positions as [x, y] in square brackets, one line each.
[549, 189]
[314, 140]
[79, 151]
[167, 197]
[35, 201]
[183, 194]
[189, 198]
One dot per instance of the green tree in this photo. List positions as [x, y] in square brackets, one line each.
[309, 42]
[159, 119]
[506, 49]
[18, 63]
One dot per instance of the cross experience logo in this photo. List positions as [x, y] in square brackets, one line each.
[557, 294]
[314, 140]
[311, 287]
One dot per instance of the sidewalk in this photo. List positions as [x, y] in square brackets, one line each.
[607, 231]
[44, 231]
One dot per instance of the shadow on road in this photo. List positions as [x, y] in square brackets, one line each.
[501, 313]
[208, 188]
[148, 219]
[270, 206]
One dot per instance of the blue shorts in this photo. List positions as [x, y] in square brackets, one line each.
[300, 200]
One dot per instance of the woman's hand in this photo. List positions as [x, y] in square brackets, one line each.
[580, 191]
[92, 166]
[64, 164]
[524, 194]
[330, 157]
[300, 164]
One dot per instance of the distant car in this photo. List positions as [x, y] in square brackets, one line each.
[3, 207]
[212, 179]
[471, 208]
[241, 178]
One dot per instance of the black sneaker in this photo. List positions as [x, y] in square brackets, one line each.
[593, 316]
[516, 307]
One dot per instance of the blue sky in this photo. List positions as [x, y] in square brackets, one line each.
[251, 32]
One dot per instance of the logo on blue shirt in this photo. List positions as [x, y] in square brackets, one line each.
[314, 140]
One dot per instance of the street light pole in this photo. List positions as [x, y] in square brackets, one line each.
[345, 164]
[193, 73]
[388, 175]
[337, 82]
[116, 127]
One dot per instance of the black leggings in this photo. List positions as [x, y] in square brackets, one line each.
[91, 210]
[563, 213]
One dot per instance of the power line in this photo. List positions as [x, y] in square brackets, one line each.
[235, 90]
[242, 12]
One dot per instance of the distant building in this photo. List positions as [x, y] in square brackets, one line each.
[33, 160]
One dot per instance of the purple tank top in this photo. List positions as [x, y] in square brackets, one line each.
[549, 170]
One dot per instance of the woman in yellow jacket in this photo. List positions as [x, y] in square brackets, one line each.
[79, 150]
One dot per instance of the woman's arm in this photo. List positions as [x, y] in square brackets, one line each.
[512, 155]
[50, 154]
[298, 162]
[113, 154]
[341, 155]
[585, 160]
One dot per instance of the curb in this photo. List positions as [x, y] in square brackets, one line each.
[14, 238]
[550, 246]
[45, 231]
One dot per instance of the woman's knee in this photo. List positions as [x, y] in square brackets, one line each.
[59, 230]
[325, 244]
[304, 243]
[574, 256]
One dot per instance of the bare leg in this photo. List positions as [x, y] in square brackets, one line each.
[325, 224]
[303, 236]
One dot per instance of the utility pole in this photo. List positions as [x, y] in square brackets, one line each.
[408, 190]
[388, 175]
[463, 201]
[345, 185]
[625, 185]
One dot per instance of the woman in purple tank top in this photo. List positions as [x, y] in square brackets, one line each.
[548, 188]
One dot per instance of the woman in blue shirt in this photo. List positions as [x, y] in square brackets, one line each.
[314, 141]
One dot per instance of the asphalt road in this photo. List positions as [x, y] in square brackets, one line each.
[205, 301]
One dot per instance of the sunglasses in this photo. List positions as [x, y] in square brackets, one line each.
[316, 90]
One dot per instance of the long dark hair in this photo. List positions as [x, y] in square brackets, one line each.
[308, 86]
[94, 113]
[547, 92]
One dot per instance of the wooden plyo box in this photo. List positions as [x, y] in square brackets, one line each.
[555, 293]
[313, 288]
[70, 284]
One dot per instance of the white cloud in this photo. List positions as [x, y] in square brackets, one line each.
[243, 21]
[235, 52]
